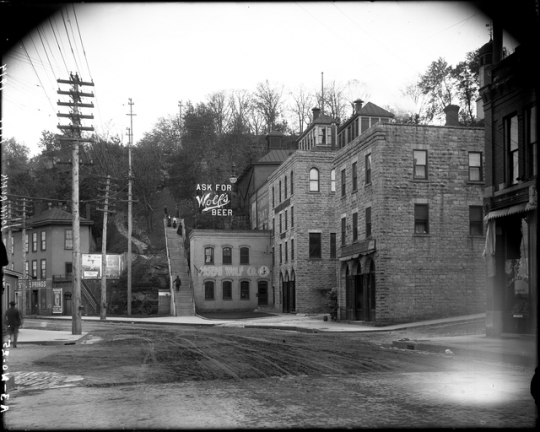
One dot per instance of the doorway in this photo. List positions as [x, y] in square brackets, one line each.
[34, 303]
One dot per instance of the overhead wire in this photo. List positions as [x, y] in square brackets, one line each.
[58, 44]
[71, 46]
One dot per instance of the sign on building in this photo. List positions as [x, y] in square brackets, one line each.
[91, 266]
[57, 300]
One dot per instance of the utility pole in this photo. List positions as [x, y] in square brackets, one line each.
[106, 211]
[74, 134]
[130, 205]
[24, 244]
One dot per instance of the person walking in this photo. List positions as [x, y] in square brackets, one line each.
[178, 282]
[174, 222]
[179, 230]
[14, 321]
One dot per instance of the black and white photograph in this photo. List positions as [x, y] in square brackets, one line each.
[269, 215]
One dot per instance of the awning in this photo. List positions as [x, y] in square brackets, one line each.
[519, 208]
[349, 257]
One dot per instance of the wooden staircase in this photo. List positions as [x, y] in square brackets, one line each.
[184, 303]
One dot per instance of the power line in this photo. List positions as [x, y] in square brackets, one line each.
[73, 37]
[71, 46]
[45, 49]
[48, 77]
[52, 106]
[82, 44]
[58, 44]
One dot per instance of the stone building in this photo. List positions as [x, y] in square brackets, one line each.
[508, 95]
[408, 205]
[230, 269]
[303, 230]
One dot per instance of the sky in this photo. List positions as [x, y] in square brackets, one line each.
[159, 54]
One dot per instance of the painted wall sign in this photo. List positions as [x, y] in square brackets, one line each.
[32, 283]
[57, 300]
[212, 198]
[234, 271]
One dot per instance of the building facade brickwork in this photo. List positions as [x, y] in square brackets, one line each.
[397, 272]
[303, 221]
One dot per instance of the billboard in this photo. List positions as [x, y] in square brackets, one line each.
[91, 266]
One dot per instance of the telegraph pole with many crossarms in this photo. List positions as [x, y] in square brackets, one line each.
[73, 133]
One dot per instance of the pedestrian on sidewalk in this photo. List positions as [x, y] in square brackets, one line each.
[178, 283]
[177, 211]
[174, 222]
[169, 221]
[14, 321]
[179, 230]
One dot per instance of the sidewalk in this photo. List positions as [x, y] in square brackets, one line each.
[509, 348]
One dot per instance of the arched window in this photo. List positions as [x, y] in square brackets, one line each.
[244, 255]
[227, 255]
[209, 290]
[333, 180]
[227, 290]
[314, 180]
[244, 290]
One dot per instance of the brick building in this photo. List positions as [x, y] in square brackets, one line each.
[230, 269]
[508, 96]
[409, 209]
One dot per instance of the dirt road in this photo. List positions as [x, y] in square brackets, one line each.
[138, 376]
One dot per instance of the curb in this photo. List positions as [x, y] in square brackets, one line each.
[506, 357]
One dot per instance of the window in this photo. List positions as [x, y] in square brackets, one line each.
[285, 188]
[368, 168]
[421, 219]
[343, 225]
[530, 140]
[315, 245]
[475, 166]
[227, 290]
[43, 269]
[209, 255]
[292, 249]
[273, 256]
[292, 217]
[368, 222]
[333, 247]
[365, 123]
[34, 242]
[280, 254]
[420, 164]
[26, 243]
[43, 240]
[26, 270]
[227, 255]
[354, 176]
[68, 239]
[511, 143]
[476, 221]
[292, 184]
[349, 134]
[279, 191]
[286, 253]
[280, 224]
[69, 269]
[244, 255]
[34, 269]
[343, 180]
[244, 290]
[285, 220]
[273, 202]
[314, 180]
[12, 245]
[333, 180]
[355, 227]
[323, 136]
[209, 290]
[273, 226]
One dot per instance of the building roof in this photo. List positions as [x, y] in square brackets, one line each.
[275, 156]
[55, 216]
[370, 109]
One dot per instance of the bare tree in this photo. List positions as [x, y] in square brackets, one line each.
[300, 107]
[335, 104]
[353, 90]
[268, 102]
[217, 103]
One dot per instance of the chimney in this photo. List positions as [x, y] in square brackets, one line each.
[316, 112]
[358, 105]
[451, 112]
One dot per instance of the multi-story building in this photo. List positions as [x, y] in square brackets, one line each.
[508, 94]
[408, 205]
[230, 269]
[303, 229]
[49, 258]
